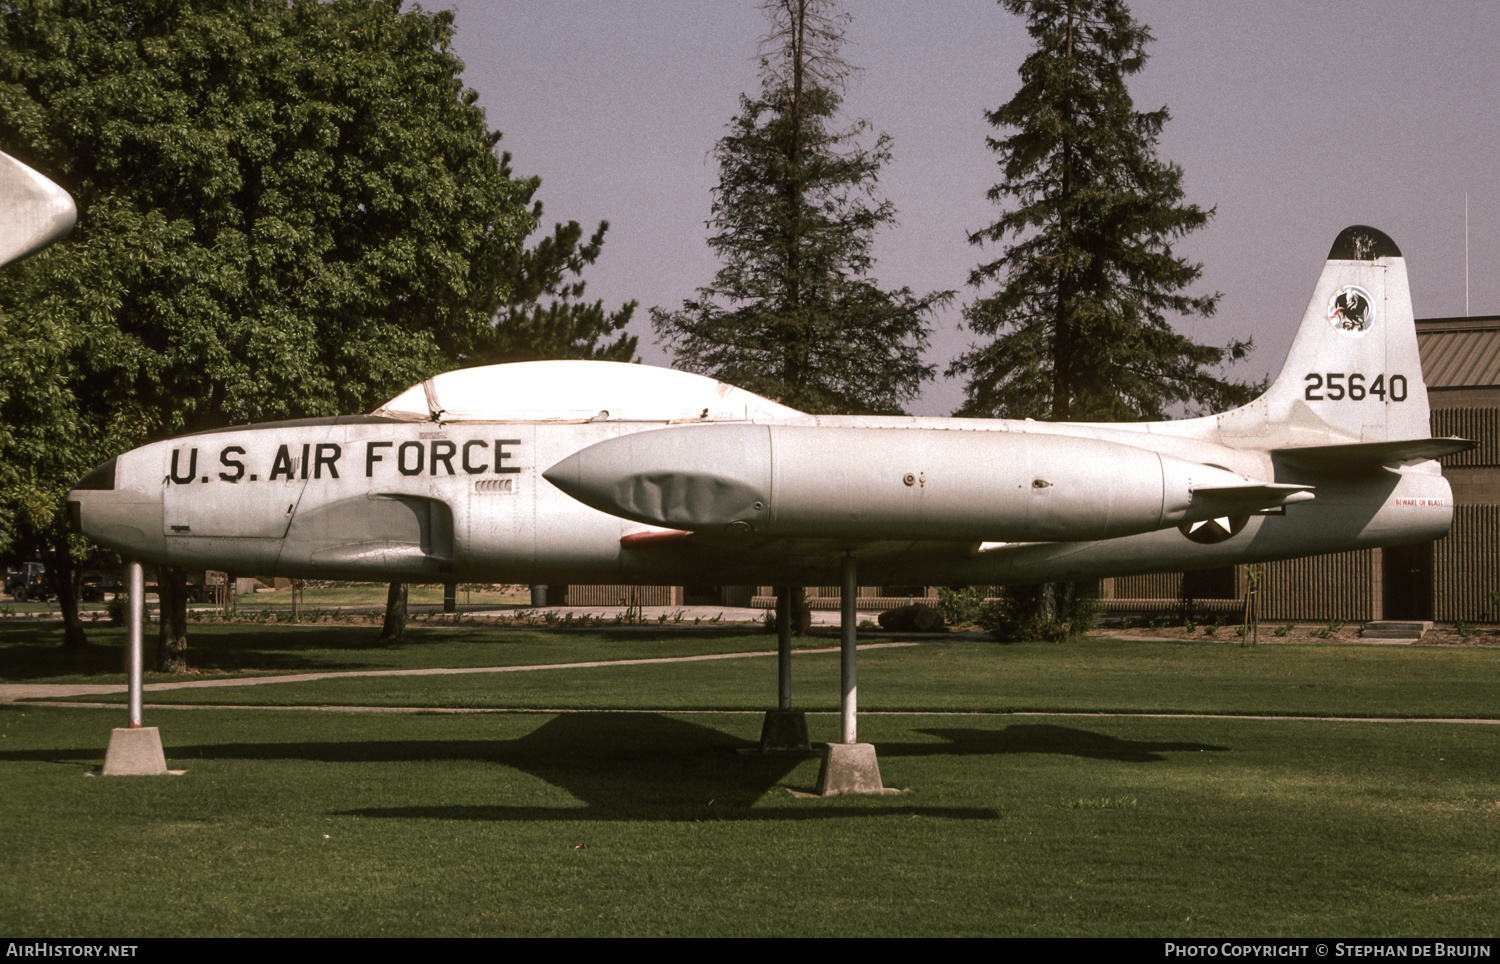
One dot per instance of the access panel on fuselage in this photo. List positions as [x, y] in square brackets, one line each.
[494, 515]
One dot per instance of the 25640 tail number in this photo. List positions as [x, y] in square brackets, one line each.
[1338, 386]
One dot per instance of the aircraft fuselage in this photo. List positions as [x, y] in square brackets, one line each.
[380, 499]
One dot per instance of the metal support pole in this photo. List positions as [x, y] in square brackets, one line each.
[136, 658]
[848, 672]
[784, 647]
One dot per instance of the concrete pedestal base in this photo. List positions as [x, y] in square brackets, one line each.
[784, 731]
[849, 768]
[135, 752]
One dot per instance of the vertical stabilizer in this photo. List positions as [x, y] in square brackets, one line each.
[34, 212]
[1353, 373]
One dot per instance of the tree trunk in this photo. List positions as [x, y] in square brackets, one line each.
[395, 614]
[801, 612]
[1046, 601]
[171, 638]
[67, 579]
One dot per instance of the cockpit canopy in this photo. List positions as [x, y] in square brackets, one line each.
[578, 391]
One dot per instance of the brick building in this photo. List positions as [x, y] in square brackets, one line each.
[1447, 581]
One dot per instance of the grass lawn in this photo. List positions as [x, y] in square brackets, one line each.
[1101, 675]
[1083, 676]
[31, 653]
[610, 823]
[615, 823]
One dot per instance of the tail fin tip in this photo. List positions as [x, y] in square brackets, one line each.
[1360, 242]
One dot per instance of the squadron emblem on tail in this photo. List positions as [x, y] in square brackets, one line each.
[1349, 311]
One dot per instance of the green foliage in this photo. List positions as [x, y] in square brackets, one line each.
[1078, 327]
[793, 314]
[961, 606]
[1283, 630]
[1021, 614]
[286, 208]
[1329, 631]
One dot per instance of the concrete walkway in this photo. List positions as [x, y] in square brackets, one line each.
[656, 616]
[13, 692]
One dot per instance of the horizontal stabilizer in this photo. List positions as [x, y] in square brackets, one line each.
[1250, 498]
[1364, 455]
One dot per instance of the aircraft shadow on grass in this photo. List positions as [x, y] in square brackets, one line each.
[634, 766]
[646, 766]
[1044, 738]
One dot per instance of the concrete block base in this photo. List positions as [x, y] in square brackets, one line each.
[849, 768]
[135, 752]
[1405, 630]
[784, 731]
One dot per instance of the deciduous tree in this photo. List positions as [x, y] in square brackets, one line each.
[286, 208]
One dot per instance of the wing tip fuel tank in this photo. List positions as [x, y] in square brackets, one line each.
[713, 476]
[908, 484]
[34, 212]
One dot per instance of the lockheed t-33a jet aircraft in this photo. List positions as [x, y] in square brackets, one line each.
[580, 472]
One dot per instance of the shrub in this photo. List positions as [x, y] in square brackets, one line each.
[916, 618]
[961, 606]
[1017, 616]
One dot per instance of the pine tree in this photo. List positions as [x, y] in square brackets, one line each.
[1078, 326]
[793, 314]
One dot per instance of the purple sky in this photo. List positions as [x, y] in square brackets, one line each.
[1293, 118]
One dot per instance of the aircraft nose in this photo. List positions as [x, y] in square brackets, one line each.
[119, 506]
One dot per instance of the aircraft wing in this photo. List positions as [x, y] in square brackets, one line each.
[803, 561]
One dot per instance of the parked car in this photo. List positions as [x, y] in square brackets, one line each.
[96, 585]
[28, 582]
